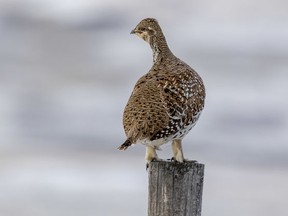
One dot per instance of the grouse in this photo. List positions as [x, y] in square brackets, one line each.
[166, 102]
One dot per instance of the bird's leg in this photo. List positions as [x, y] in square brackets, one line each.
[177, 151]
[151, 155]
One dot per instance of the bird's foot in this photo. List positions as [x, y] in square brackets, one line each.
[173, 159]
[184, 160]
[153, 159]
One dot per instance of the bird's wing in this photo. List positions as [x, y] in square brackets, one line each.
[144, 113]
[181, 97]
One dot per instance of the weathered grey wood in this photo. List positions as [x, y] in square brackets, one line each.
[175, 189]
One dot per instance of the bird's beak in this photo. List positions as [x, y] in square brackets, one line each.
[133, 31]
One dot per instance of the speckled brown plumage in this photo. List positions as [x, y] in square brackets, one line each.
[166, 102]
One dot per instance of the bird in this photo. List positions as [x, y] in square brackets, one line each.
[166, 102]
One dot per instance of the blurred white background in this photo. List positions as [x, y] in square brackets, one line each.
[67, 69]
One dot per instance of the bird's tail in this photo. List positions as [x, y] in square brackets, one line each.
[125, 145]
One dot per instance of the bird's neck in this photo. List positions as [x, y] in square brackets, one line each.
[160, 48]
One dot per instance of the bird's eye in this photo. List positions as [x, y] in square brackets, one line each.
[142, 29]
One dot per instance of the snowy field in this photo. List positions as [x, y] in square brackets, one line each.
[67, 70]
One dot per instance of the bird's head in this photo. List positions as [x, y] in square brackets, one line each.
[147, 29]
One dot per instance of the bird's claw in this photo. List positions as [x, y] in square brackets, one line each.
[153, 159]
[184, 160]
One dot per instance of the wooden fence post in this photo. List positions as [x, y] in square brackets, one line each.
[175, 189]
